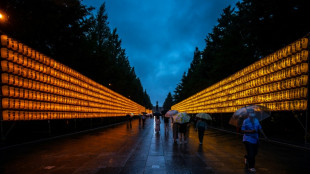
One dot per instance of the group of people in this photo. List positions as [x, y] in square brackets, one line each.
[142, 119]
[181, 131]
[250, 129]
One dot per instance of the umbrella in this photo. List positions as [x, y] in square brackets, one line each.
[204, 116]
[182, 118]
[171, 113]
[261, 113]
[157, 114]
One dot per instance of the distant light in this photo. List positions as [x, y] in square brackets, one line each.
[2, 17]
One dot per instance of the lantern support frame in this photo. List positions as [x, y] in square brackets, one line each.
[308, 102]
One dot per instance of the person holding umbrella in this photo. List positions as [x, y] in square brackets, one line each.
[157, 123]
[182, 118]
[172, 114]
[250, 128]
[201, 126]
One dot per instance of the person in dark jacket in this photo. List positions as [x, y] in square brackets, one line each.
[201, 126]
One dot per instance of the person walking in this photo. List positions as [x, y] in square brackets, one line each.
[175, 128]
[143, 120]
[166, 121]
[250, 128]
[157, 124]
[201, 126]
[182, 132]
[129, 118]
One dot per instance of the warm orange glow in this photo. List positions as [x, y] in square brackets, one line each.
[278, 81]
[3, 17]
[35, 86]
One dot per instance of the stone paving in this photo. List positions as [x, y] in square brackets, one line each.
[138, 149]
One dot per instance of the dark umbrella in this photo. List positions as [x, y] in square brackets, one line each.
[157, 114]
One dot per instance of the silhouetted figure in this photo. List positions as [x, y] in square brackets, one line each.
[175, 127]
[156, 106]
[143, 120]
[182, 132]
[140, 119]
[129, 118]
[166, 121]
[201, 126]
[157, 124]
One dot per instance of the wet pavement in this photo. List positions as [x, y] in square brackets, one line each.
[138, 149]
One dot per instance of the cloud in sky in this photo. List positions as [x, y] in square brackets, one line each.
[160, 36]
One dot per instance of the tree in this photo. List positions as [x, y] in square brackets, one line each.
[56, 28]
[242, 36]
[179, 90]
[147, 101]
[168, 102]
[66, 31]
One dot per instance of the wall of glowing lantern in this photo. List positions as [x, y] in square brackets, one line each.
[278, 81]
[36, 87]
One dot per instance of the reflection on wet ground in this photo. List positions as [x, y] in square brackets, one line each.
[134, 148]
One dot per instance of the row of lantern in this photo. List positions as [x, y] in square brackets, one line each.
[294, 105]
[28, 73]
[51, 76]
[26, 65]
[19, 70]
[9, 91]
[245, 83]
[242, 91]
[295, 49]
[227, 101]
[275, 96]
[299, 55]
[288, 71]
[35, 55]
[276, 66]
[271, 75]
[46, 90]
[20, 104]
[19, 48]
[13, 115]
[248, 83]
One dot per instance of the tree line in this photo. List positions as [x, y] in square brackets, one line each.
[245, 33]
[70, 33]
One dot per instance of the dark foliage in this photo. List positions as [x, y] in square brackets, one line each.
[67, 31]
[168, 102]
[242, 36]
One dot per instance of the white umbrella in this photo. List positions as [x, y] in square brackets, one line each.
[261, 113]
[204, 116]
[182, 118]
[171, 113]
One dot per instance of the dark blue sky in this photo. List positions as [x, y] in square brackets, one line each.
[160, 36]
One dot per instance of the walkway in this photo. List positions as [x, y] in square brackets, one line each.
[121, 149]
